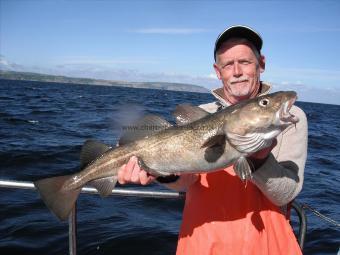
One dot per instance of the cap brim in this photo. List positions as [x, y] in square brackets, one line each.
[239, 32]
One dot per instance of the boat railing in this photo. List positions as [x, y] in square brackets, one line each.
[72, 220]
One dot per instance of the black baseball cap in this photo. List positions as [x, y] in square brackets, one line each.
[239, 31]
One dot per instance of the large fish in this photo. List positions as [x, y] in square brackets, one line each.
[201, 142]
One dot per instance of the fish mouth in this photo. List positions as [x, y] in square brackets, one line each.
[287, 118]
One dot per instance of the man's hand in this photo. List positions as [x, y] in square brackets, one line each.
[132, 173]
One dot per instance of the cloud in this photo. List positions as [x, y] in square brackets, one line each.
[4, 64]
[172, 31]
[322, 29]
[9, 66]
[305, 92]
[88, 60]
[134, 75]
[212, 76]
[312, 76]
[303, 28]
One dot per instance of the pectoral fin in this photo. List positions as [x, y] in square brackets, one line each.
[214, 148]
[216, 140]
[243, 169]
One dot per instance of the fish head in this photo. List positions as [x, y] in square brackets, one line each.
[253, 124]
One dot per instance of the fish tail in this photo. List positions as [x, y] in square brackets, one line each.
[59, 200]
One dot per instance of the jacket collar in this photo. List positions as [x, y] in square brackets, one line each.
[218, 93]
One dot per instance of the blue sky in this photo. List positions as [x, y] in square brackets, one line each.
[172, 40]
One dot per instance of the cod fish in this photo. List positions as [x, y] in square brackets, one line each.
[200, 142]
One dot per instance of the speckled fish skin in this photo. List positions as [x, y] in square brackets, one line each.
[181, 149]
[205, 145]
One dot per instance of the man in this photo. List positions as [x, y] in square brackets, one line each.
[222, 214]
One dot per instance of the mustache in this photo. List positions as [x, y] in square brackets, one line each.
[239, 79]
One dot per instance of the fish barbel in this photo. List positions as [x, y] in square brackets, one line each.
[200, 142]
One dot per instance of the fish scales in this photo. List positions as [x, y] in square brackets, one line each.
[205, 144]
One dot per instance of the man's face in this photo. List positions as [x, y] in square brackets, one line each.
[239, 69]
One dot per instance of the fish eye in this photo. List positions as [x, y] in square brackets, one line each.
[264, 102]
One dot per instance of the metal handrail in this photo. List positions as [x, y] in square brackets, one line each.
[89, 190]
[72, 220]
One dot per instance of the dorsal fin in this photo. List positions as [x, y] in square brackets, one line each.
[186, 113]
[90, 151]
[148, 125]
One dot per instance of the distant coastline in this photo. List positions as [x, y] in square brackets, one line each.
[27, 76]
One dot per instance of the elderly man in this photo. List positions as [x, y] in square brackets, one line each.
[222, 214]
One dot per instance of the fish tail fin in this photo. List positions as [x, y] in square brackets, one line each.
[57, 199]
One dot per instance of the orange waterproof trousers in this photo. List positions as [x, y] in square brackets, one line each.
[224, 215]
